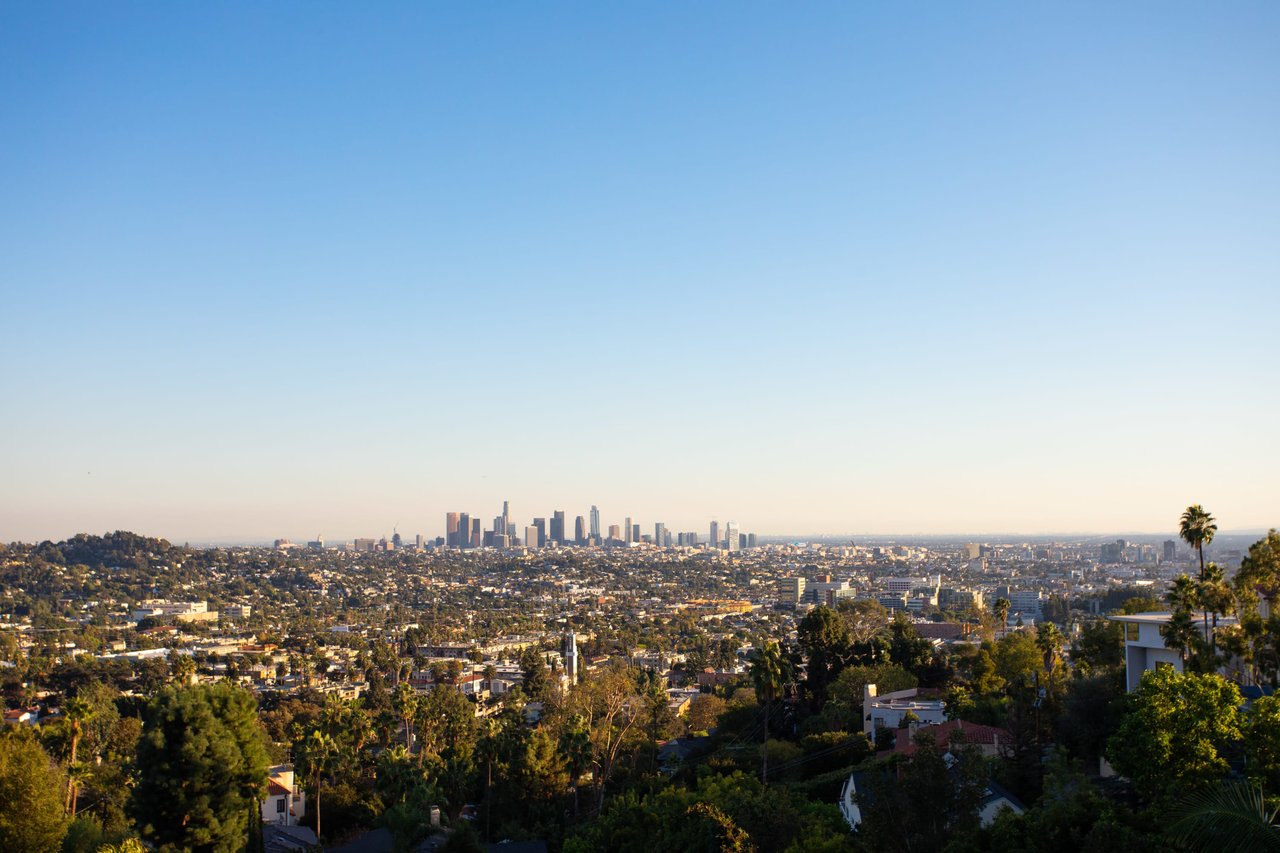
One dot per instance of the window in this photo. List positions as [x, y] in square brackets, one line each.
[280, 805]
[1131, 632]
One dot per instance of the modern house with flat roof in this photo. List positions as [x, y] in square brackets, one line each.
[1144, 647]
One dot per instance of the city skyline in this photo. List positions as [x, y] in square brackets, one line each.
[934, 270]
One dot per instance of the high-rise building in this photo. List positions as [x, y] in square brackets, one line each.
[557, 527]
[715, 534]
[595, 524]
[615, 533]
[626, 529]
[1170, 551]
[477, 536]
[464, 530]
[635, 533]
[506, 519]
[751, 540]
[731, 535]
[395, 540]
[418, 543]
[580, 531]
[451, 529]
[531, 537]
[540, 524]
[659, 534]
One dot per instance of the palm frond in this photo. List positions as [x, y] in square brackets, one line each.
[1228, 817]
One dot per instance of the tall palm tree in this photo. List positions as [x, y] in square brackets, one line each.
[317, 754]
[78, 712]
[1196, 528]
[1050, 641]
[1001, 610]
[770, 672]
[77, 774]
[1216, 596]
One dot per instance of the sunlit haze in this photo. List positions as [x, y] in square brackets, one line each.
[273, 270]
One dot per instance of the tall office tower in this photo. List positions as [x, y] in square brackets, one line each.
[571, 658]
[659, 534]
[464, 530]
[580, 531]
[499, 527]
[506, 518]
[731, 534]
[635, 533]
[531, 537]
[477, 537]
[715, 534]
[418, 543]
[541, 525]
[451, 529]
[395, 539]
[557, 527]
[595, 524]
[615, 533]
[742, 541]
[751, 540]
[626, 530]
[1170, 551]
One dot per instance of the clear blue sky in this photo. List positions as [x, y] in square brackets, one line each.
[279, 269]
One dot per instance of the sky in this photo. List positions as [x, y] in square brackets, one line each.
[287, 269]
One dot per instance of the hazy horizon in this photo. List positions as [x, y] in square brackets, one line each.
[281, 270]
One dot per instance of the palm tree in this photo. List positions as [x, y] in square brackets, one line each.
[770, 672]
[1182, 594]
[78, 712]
[77, 774]
[1001, 610]
[317, 754]
[1216, 597]
[1232, 816]
[405, 703]
[1180, 633]
[1196, 528]
[1050, 642]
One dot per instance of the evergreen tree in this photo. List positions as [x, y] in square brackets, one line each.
[32, 814]
[201, 769]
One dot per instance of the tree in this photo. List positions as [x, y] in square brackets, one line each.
[201, 768]
[770, 672]
[1049, 641]
[610, 707]
[316, 757]
[78, 712]
[32, 815]
[1262, 743]
[825, 641]
[704, 712]
[927, 803]
[1099, 646]
[405, 703]
[1197, 528]
[1001, 610]
[1175, 731]
[534, 669]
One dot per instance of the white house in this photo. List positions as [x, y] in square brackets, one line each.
[887, 711]
[286, 802]
[1144, 647]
